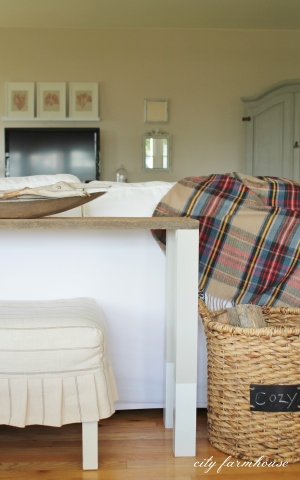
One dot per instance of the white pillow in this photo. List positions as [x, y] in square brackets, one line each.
[127, 200]
[14, 183]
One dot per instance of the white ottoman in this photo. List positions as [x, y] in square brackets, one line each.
[55, 368]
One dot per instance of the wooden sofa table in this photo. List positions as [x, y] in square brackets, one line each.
[181, 317]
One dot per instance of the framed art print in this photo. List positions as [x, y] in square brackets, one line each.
[156, 110]
[83, 100]
[20, 100]
[51, 100]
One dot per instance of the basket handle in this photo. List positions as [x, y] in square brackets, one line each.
[206, 314]
[203, 310]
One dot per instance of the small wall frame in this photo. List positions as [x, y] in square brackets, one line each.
[20, 100]
[156, 110]
[83, 100]
[51, 100]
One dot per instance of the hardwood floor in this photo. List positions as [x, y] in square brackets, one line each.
[133, 445]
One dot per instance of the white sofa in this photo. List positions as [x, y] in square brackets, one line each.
[124, 271]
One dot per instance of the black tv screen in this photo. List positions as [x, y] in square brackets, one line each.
[48, 151]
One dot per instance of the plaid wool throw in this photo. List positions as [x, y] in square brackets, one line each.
[249, 235]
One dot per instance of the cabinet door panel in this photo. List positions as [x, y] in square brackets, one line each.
[296, 148]
[269, 137]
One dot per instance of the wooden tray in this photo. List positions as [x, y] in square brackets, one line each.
[42, 207]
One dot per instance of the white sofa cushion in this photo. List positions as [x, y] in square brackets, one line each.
[13, 183]
[127, 199]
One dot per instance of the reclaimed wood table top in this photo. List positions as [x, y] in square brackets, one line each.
[100, 223]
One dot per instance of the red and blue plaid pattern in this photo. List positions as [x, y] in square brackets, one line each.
[249, 234]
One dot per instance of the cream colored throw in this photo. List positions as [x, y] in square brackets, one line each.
[54, 363]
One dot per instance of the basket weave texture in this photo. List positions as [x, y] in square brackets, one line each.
[238, 357]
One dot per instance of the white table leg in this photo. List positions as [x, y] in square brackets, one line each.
[90, 445]
[169, 331]
[185, 342]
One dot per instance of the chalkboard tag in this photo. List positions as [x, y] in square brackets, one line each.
[275, 398]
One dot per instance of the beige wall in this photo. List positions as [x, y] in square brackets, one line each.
[204, 73]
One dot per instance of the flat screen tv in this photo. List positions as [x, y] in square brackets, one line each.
[48, 151]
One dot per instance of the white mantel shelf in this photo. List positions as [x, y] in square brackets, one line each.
[35, 119]
[181, 317]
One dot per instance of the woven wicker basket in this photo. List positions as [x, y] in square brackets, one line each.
[238, 357]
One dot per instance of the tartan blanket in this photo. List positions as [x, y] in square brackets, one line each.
[249, 235]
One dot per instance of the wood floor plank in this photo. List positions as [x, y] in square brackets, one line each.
[133, 445]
